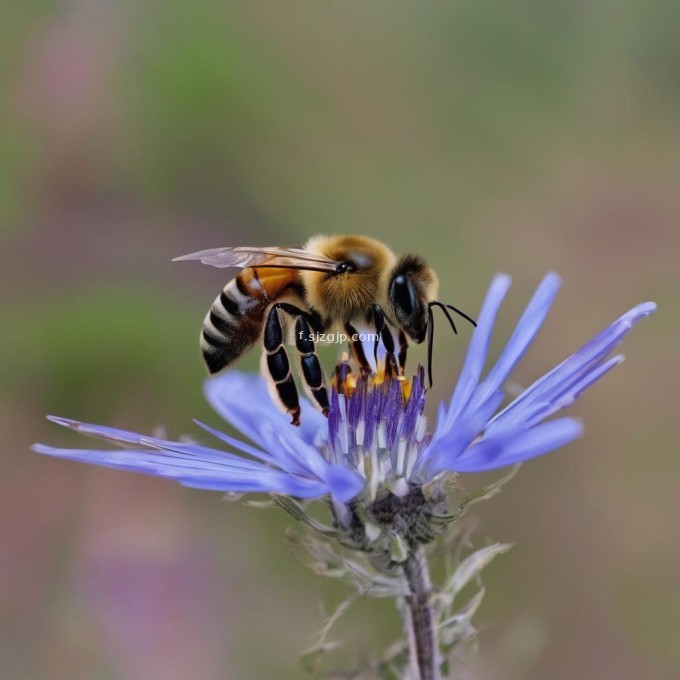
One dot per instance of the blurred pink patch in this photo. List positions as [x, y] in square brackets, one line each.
[67, 83]
[146, 578]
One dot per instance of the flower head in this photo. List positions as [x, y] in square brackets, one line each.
[374, 456]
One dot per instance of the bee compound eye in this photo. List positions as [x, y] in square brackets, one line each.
[403, 294]
[344, 267]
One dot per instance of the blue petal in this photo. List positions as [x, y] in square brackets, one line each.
[109, 434]
[536, 410]
[515, 434]
[343, 483]
[291, 452]
[574, 375]
[167, 463]
[243, 400]
[280, 483]
[228, 475]
[304, 472]
[520, 445]
[445, 448]
[237, 444]
[523, 335]
[478, 348]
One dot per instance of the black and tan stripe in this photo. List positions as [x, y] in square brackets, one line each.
[229, 328]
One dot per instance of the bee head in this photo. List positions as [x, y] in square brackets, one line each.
[412, 286]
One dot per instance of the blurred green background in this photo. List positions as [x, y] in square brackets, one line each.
[486, 136]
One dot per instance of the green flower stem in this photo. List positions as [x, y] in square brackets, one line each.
[420, 624]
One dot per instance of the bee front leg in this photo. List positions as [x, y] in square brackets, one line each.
[358, 351]
[384, 333]
[403, 351]
[276, 366]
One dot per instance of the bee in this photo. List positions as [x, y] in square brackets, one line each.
[350, 285]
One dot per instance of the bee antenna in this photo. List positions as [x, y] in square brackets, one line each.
[430, 332]
[430, 328]
[430, 342]
[442, 306]
[463, 314]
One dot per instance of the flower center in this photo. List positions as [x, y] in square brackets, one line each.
[376, 425]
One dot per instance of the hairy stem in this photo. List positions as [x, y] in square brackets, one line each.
[420, 624]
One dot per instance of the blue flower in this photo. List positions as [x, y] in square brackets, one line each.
[375, 439]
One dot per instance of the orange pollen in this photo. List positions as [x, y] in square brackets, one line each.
[346, 377]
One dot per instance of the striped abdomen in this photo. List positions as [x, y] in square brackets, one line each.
[235, 319]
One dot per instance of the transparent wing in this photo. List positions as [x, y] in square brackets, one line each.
[245, 256]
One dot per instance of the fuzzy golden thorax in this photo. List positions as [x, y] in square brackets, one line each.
[344, 297]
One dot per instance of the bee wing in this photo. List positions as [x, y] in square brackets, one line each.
[245, 256]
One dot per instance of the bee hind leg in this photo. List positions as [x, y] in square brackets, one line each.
[276, 366]
[312, 373]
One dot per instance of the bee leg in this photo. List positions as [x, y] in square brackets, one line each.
[379, 319]
[403, 351]
[277, 365]
[312, 372]
[342, 372]
[385, 334]
[358, 351]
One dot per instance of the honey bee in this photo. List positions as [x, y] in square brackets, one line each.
[349, 285]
